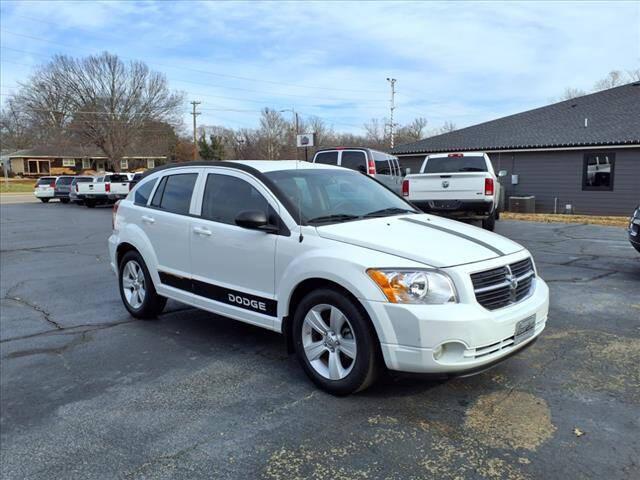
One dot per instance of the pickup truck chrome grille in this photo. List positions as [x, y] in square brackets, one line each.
[502, 286]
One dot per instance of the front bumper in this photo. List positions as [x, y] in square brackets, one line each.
[480, 337]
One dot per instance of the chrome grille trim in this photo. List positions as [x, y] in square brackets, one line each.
[503, 286]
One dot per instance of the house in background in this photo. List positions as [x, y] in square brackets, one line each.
[50, 160]
[583, 152]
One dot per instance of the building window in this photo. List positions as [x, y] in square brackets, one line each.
[598, 171]
[124, 164]
[151, 163]
[68, 162]
[86, 163]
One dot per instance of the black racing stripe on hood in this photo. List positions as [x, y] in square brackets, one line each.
[457, 234]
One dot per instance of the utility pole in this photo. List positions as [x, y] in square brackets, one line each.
[195, 137]
[296, 122]
[392, 81]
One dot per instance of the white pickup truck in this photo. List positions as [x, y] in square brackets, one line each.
[107, 188]
[457, 185]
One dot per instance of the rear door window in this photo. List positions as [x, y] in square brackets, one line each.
[327, 158]
[174, 193]
[354, 160]
[456, 164]
[383, 163]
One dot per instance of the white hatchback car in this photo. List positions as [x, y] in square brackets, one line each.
[353, 275]
[45, 188]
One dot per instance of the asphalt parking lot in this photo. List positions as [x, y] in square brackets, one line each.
[88, 392]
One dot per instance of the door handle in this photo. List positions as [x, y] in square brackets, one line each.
[148, 219]
[205, 232]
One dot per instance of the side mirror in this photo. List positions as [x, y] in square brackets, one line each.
[255, 220]
[502, 173]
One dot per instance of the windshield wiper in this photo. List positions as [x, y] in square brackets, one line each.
[388, 211]
[338, 217]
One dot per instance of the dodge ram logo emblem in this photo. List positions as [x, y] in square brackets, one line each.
[445, 184]
[512, 280]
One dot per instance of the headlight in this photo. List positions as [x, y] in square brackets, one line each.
[429, 287]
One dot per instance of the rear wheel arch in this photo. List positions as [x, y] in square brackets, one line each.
[122, 250]
[307, 286]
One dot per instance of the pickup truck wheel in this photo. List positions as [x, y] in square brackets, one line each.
[489, 223]
[90, 204]
[136, 288]
[335, 343]
[44, 200]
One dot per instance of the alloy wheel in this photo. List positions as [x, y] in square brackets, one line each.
[329, 341]
[133, 284]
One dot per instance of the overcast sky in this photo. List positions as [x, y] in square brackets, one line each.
[462, 62]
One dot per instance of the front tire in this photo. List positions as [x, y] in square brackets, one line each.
[136, 288]
[44, 200]
[335, 342]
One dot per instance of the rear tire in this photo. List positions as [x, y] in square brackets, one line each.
[136, 288]
[335, 342]
[90, 204]
[44, 200]
[489, 223]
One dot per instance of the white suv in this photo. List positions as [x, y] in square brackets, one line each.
[352, 275]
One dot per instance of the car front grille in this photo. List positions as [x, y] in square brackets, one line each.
[502, 286]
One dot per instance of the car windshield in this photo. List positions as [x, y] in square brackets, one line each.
[333, 196]
[46, 181]
[118, 178]
[64, 180]
[456, 164]
[83, 180]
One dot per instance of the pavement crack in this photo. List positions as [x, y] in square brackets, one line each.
[45, 314]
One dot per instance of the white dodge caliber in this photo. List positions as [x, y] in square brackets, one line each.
[351, 274]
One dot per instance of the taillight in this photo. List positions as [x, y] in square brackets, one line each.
[113, 214]
[372, 167]
[53, 184]
[107, 187]
[488, 186]
[405, 188]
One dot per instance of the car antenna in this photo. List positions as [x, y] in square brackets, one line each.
[300, 238]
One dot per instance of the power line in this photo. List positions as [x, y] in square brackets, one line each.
[206, 72]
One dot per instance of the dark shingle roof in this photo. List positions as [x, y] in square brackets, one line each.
[613, 118]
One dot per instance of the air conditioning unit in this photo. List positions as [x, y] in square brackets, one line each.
[522, 204]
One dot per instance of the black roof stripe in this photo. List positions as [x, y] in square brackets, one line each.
[456, 233]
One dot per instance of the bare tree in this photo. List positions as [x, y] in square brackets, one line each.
[412, 132]
[447, 127]
[273, 134]
[570, 93]
[375, 132]
[634, 75]
[614, 78]
[100, 100]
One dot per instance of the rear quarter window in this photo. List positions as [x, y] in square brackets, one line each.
[143, 192]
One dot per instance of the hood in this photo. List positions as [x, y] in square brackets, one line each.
[427, 239]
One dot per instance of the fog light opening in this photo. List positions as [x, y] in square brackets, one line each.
[437, 353]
